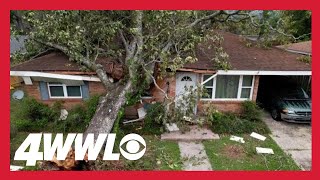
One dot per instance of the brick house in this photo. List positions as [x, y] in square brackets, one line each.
[53, 77]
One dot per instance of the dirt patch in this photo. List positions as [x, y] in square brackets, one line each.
[234, 151]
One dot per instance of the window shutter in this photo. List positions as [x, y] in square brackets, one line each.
[85, 90]
[44, 90]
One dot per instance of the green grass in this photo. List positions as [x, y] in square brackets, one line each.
[225, 154]
[168, 155]
[160, 155]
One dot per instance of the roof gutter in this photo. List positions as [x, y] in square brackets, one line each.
[53, 75]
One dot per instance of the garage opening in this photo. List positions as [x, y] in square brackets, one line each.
[286, 97]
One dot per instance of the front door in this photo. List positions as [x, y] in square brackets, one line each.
[183, 81]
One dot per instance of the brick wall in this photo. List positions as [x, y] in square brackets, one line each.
[168, 84]
[224, 106]
[228, 106]
[32, 90]
[96, 88]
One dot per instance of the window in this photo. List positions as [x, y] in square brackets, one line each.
[229, 87]
[209, 86]
[246, 87]
[186, 78]
[59, 90]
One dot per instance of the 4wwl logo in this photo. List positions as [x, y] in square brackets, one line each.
[33, 141]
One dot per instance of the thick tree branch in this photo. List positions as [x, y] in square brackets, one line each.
[85, 62]
[205, 18]
[139, 35]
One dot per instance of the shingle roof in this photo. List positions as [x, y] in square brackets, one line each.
[49, 62]
[242, 57]
[302, 47]
[54, 61]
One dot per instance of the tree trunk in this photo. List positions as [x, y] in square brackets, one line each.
[107, 110]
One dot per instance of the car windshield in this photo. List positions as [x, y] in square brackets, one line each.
[294, 93]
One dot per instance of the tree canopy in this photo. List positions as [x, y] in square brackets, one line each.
[137, 40]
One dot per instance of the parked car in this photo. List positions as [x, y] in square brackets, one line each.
[287, 101]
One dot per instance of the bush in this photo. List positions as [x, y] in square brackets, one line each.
[91, 106]
[33, 116]
[232, 124]
[33, 110]
[155, 114]
[79, 117]
[251, 111]
[13, 130]
[116, 126]
[26, 125]
[75, 121]
[154, 118]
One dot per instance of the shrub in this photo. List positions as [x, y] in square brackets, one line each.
[251, 111]
[13, 130]
[91, 106]
[154, 118]
[232, 124]
[155, 114]
[26, 125]
[116, 128]
[33, 110]
[75, 121]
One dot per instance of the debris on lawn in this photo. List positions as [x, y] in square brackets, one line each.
[141, 114]
[15, 168]
[187, 118]
[172, 127]
[63, 115]
[258, 136]
[237, 139]
[261, 150]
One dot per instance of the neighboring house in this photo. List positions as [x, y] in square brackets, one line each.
[304, 48]
[53, 76]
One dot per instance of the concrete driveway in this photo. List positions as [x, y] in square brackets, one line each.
[294, 139]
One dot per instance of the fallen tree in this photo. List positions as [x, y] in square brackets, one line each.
[136, 40]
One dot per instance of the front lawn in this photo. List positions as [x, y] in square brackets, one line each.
[160, 155]
[225, 154]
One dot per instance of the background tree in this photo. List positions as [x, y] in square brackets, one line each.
[274, 27]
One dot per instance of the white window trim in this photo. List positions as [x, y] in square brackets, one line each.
[213, 87]
[65, 92]
[229, 99]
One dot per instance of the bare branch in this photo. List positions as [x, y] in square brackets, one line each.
[155, 82]
[124, 41]
[276, 30]
[205, 18]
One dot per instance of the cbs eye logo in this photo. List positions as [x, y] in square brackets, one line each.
[132, 143]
